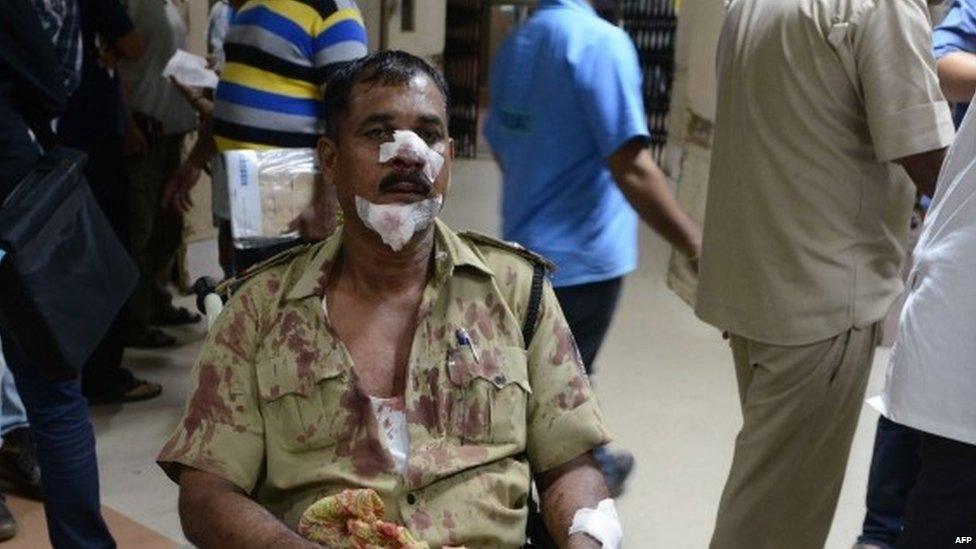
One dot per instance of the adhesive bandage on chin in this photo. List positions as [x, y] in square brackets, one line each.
[601, 524]
[397, 223]
[410, 147]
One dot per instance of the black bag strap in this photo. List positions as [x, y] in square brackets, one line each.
[535, 302]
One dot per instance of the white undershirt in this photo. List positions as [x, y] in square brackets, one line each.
[391, 417]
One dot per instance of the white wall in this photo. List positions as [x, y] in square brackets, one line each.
[372, 17]
[427, 39]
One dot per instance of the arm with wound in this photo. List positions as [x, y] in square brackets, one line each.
[564, 491]
[215, 513]
[564, 424]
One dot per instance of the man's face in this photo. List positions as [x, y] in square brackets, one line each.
[375, 112]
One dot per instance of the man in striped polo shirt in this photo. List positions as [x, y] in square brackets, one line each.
[279, 54]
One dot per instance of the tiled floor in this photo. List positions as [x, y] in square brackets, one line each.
[33, 530]
[665, 381]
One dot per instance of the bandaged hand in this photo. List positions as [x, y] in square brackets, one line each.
[352, 519]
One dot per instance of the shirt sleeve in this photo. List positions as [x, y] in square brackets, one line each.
[218, 23]
[113, 20]
[338, 39]
[221, 431]
[906, 112]
[608, 82]
[564, 417]
[957, 31]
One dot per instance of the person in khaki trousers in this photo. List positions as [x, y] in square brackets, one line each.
[819, 103]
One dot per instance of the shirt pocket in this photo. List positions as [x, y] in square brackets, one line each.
[491, 394]
[303, 413]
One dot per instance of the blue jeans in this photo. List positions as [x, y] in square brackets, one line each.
[12, 412]
[58, 413]
[894, 468]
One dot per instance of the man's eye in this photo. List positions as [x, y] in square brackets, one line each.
[430, 136]
[379, 134]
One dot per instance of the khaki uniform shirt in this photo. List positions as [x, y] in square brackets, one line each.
[276, 409]
[806, 219]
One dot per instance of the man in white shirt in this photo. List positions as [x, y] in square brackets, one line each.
[931, 382]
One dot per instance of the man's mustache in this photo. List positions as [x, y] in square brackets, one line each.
[415, 177]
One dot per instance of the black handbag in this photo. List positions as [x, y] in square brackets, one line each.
[64, 275]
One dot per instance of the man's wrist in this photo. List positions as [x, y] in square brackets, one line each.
[582, 540]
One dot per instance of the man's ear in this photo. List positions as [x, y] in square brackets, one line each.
[328, 153]
[450, 148]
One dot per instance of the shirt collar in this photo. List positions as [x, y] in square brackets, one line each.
[571, 4]
[450, 252]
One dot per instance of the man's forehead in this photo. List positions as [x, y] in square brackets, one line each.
[418, 97]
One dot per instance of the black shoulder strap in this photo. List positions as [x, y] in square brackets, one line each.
[535, 302]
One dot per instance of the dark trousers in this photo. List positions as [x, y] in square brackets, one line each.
[941, 510]
[107, 177]
[894, 468]
[156, 234]
[589, 308]
[58, 413]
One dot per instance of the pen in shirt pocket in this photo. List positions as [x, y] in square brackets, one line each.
[464, 340]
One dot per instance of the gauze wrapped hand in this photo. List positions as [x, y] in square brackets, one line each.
[352, 519]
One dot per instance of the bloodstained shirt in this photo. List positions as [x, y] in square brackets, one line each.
[276, 408]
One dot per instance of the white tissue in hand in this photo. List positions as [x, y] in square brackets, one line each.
[190, 70]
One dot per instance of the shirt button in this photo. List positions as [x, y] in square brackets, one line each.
[411, 499]
[499, 380]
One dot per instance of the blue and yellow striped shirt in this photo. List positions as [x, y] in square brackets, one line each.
[279, 55]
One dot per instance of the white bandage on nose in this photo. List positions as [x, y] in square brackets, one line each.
[397, 223]
[601, 524]
[410, 147]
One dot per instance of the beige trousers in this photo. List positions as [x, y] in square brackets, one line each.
[800, 406]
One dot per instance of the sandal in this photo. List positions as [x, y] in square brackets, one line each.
[135, 391]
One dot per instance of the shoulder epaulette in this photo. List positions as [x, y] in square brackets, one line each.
[513, 247]
[231, 284]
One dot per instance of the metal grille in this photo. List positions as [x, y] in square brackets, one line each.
[651, 24]
[462, 51]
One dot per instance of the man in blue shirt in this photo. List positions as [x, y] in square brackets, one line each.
[954, 41]
[568, 127]
[895, 459]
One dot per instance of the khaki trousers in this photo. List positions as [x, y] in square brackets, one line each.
[800, 406]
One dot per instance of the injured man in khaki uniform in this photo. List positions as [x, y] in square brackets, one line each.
[400, 384]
